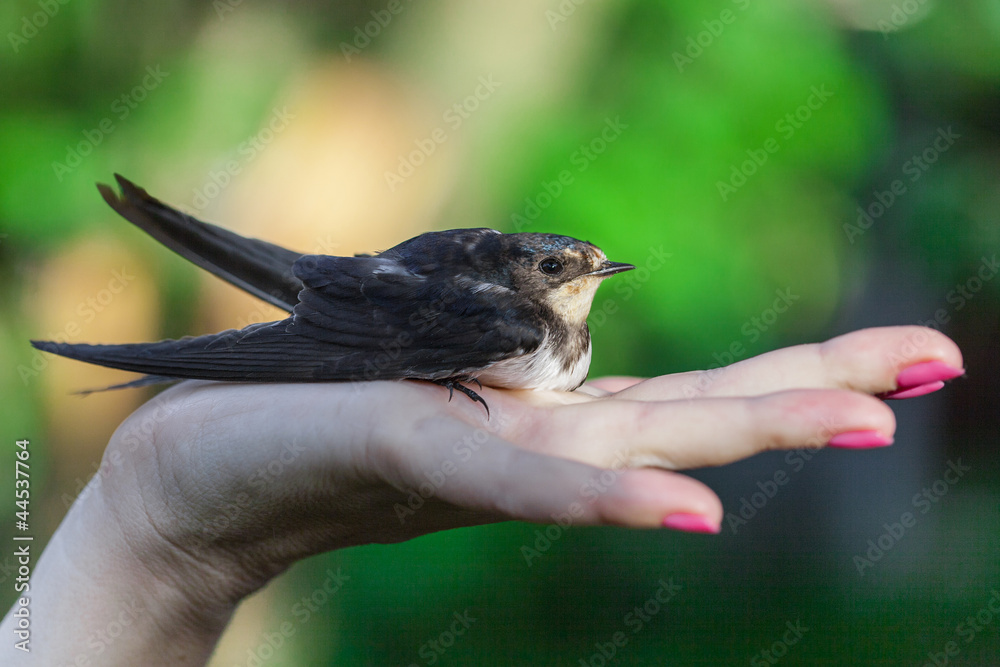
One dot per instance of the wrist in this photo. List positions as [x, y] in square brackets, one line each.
[105, 593]
[179, 590]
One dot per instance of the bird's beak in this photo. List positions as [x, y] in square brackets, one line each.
[610, 269]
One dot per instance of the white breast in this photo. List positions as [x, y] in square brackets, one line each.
[541, 369]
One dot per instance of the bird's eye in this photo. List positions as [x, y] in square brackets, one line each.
[549, 266]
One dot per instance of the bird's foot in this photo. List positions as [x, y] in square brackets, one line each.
[452, 385]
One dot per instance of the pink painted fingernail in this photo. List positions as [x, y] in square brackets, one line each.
[926, 373]
[912, 392]
[859, 440]
[690, 523]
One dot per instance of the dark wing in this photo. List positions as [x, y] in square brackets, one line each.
[220, 356]
[258, 267]
[358, 318]
[389, 322]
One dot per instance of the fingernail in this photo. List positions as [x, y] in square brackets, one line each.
[912, 392]
[926, 373]
[859, 440]
[690, 523]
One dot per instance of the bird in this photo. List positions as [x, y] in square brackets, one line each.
[452, 307]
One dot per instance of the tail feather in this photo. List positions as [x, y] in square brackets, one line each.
[141, 382]
[261, 268]
[235, 356]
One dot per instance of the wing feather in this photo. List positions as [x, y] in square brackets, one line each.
[352, 321]
[258, 267]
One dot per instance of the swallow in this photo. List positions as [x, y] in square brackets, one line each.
[452, 307]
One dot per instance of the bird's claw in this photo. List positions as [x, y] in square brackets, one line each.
[452, 385]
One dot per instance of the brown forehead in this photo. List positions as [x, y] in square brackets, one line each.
[586, 252]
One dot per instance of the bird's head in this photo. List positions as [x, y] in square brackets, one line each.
[559, 271]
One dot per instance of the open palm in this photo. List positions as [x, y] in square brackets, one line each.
[258, 476]
[211, 489]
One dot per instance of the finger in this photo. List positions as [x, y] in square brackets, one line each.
[614, 383]
[482, 472]
[689, 434]
[870, 361]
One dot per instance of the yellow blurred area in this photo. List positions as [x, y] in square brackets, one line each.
[93, 291]
[313, 190]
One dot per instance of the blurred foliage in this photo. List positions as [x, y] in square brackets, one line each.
[661, 103]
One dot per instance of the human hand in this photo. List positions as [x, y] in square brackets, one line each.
[211, 489]
[251, 478]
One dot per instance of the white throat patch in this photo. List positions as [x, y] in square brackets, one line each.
[572, 300]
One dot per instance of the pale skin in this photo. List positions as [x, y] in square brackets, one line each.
[182, 523]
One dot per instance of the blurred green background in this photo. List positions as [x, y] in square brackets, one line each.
[840, 156]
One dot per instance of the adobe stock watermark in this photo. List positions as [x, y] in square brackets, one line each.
[363, 36]
[786, 127]
[966, 631]
[901, 14]
[257, 315]
[121, 108]
[462, 452]
[634, 621]
[432, 650]
[223, 7]
[592, 489]
[219, 179]
[302, 610]
[32, 25]
[627, 284]
[324, 245]
[696, 44]
[422, 323]
[959, 297]
[751, 330]
[453, 118]
[773, 654]
[913, 169]
[561, 13]
[966, 291]
[103, 639]
[86, 311]
[132, 434]
[767, 489]
[923, 502]
[579, 161]
[257, 484]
